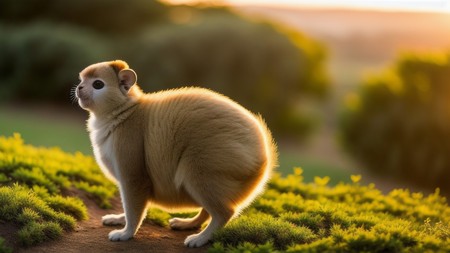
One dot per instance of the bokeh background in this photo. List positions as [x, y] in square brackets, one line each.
[345, 91]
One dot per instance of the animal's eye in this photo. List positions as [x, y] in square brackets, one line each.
[97, 84]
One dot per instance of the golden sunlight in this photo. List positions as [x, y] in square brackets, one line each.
[388, 5]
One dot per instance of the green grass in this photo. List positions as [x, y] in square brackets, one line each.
[293, 216]
[38, 220]
[41, 129]
[33, 183]
[311, 167]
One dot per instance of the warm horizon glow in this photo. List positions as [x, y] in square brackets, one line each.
[386, 5]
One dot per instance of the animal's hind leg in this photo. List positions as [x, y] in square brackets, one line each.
[220, 215]
[216, 203]
[214, 192]
[190, 223]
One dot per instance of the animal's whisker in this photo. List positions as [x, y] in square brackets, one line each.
[73, 97]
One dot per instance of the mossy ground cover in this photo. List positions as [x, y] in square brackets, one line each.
[35, 189]
[291, 216]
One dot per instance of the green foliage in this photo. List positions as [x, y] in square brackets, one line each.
[53, 170]
[293, 216]
[260, 228]
[34, 233]
[265, 68]
[398, 124]
[33, 183]
[39, 221]
[41, 61]
[245, 247]
[102, 194]
[104, 16]
[158, 217]
[69, 205]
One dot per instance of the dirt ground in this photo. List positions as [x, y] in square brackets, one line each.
[92, 236]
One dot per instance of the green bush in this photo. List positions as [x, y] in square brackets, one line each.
[398, 123]
[267, 69]
[40, 62]
[34, 180]
[104, 16]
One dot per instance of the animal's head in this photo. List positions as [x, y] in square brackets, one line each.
[105, 86]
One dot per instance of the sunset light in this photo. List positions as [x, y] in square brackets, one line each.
[388, 5]
[225, 126]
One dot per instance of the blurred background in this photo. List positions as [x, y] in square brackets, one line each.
[347, 88]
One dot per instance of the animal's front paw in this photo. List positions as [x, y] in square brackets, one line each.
[113, 219]
[120, 235]
[197, 240]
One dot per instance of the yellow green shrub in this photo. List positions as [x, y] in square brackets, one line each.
[294, 216]
[53, 170]
[397, 123]
[35, 184]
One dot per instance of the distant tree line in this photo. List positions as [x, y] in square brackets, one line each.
[267, 68]
[398, 123]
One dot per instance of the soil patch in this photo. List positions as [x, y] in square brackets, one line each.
[92, 236]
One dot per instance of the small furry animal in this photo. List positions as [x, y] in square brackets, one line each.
[181, 148]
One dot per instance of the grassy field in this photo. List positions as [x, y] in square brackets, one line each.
[70, 134]
[46, 129]
[291, 216]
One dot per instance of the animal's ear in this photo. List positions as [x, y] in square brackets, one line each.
[127, 78]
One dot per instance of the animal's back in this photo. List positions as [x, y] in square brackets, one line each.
[202, 139]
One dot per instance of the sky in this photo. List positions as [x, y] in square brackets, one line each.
[407, 5]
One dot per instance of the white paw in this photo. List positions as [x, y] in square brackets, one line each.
[113, 219]
[181, 224]
[175, 224]
[197, 240]
[120, 235]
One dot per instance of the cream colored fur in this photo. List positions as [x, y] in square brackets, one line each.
[183, 148]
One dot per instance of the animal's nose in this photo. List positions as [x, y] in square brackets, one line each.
[80, 87]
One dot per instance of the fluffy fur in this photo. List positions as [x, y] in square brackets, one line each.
[183, 148]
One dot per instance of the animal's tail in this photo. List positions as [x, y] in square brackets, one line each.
[268, 166]
[270, 148]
